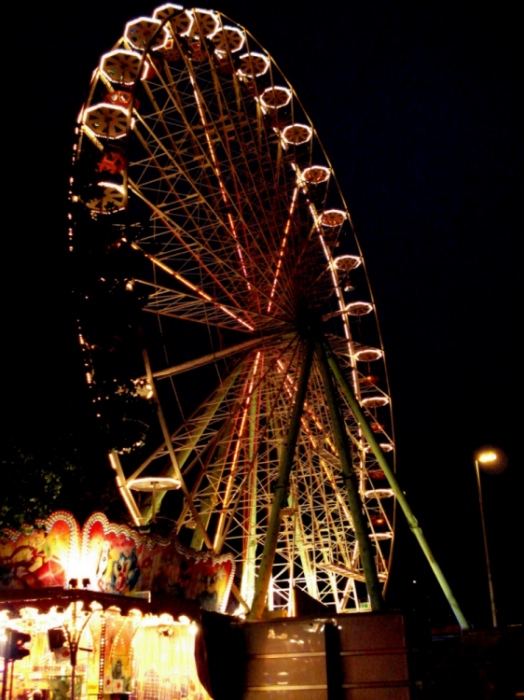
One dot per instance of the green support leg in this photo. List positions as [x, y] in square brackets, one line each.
[401, 499]
[350, 480]
[281, 491]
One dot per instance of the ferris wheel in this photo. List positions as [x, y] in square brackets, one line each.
[225, 315]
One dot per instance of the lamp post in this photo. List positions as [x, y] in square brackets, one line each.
[494, 461]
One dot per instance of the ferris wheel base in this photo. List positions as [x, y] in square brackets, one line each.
[343, 656]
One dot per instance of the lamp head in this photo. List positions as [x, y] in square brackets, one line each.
[491, 460]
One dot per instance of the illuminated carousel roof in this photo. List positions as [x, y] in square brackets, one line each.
[44, 599]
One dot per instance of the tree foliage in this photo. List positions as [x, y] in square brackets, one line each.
[48, 473]
[33, 480]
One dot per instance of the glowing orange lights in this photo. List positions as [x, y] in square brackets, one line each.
[107, 121]
[276, 97]
[195, 289]
[282, 250]
[112, 198]
[150, 484]
[297, 134]
[375, 401]
[145, 32]
[228, 39]
[346, 263]
[316, 174]
[368, 355]
[333, 218]
[205, 25]
[180, 19]
[359, 308]
[121, 66]
[253, 65]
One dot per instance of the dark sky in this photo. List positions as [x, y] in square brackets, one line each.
[416, 105]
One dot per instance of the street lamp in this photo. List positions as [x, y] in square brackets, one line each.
[491, 460]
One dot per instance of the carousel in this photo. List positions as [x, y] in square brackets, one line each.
[105, 610]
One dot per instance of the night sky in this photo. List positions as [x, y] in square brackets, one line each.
[416, 105]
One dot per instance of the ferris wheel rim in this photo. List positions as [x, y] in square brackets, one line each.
[230, 312]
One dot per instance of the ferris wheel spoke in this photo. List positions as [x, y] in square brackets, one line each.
[234, 268]
[225, 195]
[230, 500]
[218, 268]
[199, 294]
[191, 128]
[202, 430]
[250, 372]
[239, 462]
[170, 304]
[282, 251]
[187, 435]
[210, 125]
[156, 149]
[231, 407]
[211, 358]
[226, 199]
[163, 188]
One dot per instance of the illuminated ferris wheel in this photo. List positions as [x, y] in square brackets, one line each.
[228, 328]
